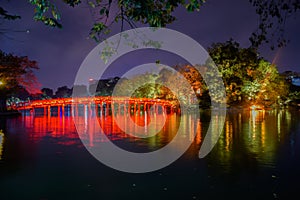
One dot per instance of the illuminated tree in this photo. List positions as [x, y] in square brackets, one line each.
[188, 85]
[248, 78]
[236, 65]
[180, 91]
[147, 86]
[16, 73]
[193, 76]
[152, 85]
[267, 88]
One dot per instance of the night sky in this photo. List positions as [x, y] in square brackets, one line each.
[60, 52]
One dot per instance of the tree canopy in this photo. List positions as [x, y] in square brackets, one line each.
[16, 74]
[248, 78]
[273, 15]
[107, 12]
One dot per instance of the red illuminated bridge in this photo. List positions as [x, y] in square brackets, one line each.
[105, 105]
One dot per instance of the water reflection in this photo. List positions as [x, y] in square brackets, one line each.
[1, 143]
[117, 127]
[255, 135]
[56, 127]
[257, 154]
[252, 138]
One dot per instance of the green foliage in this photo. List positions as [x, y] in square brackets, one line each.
[46, 12]
[267, 88]
[181, 91]
[248, 78]
[193, 5]
[235, 64]
[156, 85]
[154, 13]
[98, 28]
[294, 97]
[148, 88]
[273, 15]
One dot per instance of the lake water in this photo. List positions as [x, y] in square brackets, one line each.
[256, 157]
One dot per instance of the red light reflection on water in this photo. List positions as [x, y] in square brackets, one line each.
[61, 129]
[55, 127]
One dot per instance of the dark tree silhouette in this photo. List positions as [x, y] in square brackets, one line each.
[63, 92]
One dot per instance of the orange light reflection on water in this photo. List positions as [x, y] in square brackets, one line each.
[1, 143]
[62, 129]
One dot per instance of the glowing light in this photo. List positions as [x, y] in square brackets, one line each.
[1, 83]
[94, 100]
[256, 107]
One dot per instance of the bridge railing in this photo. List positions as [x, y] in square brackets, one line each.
[90, 100]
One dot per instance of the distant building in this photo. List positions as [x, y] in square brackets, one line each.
[295, 81]
[289, 75]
